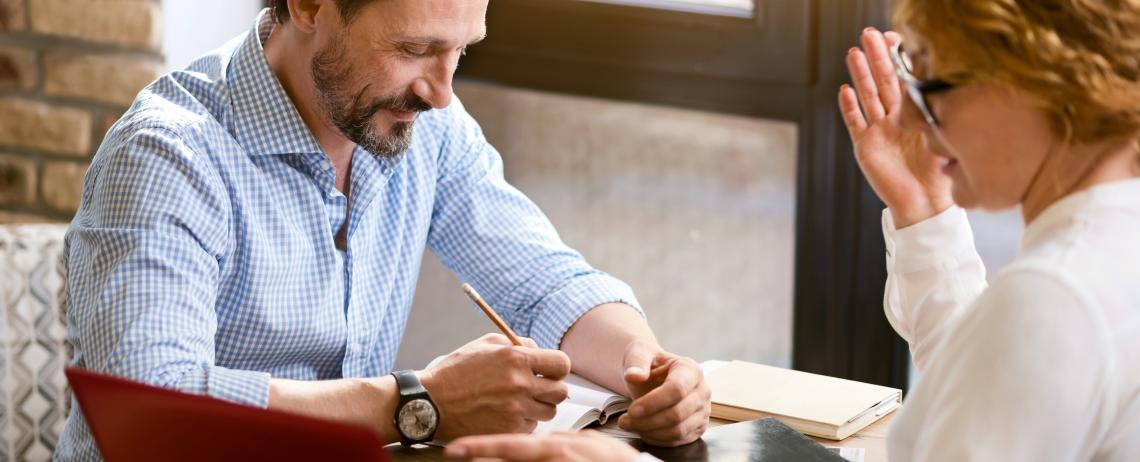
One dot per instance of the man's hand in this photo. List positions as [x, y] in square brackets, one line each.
[491, 386]
[586, 446]
[671, 403]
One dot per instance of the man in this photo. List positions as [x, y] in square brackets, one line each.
[252, 229]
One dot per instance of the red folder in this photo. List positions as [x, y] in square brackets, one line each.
[135, 422]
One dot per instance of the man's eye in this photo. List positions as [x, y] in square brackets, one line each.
[417, 52]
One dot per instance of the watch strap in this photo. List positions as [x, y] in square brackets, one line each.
[409, 384]
[410, 389]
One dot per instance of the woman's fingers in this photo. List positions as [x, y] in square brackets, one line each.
[892, 38]
[882, 69]
[852, 115]
[865, 85]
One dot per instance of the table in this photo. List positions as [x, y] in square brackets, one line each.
[873, 439]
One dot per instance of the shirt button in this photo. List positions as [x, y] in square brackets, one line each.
[354, 347]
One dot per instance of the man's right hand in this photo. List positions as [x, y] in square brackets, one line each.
[490, 386]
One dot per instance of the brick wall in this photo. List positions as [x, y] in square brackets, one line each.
[68, 70]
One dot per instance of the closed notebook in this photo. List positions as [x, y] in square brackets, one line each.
[816, 405]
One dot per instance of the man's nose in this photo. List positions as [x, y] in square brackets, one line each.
[435, 86]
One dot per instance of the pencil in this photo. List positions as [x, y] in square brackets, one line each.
[503, 327]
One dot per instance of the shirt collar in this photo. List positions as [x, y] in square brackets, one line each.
[265, 120]
[1124, 194]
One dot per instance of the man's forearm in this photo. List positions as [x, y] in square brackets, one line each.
[597, 342]
[366, 402]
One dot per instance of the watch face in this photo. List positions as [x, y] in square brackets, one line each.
[418, 419]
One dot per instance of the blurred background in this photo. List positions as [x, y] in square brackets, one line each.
[690, 147]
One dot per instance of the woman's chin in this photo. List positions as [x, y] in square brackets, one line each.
[969, 199]
[963, 196]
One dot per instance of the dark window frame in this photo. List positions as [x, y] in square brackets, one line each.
[708, 62]
[785, 63]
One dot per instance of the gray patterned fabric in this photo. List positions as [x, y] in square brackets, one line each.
[34, 397]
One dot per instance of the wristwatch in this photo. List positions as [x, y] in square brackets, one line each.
[416, 417]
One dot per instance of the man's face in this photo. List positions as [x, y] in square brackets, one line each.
[393, 60]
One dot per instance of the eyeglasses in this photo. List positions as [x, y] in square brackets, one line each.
[917, 89]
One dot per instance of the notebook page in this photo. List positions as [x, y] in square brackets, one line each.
[569, 417]
[590, 394]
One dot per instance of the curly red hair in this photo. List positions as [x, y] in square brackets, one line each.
[1079, 58]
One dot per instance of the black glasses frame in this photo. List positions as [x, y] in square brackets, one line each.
[918, 90]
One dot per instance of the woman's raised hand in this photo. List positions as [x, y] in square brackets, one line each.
[895, 161]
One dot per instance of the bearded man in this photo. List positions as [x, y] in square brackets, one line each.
[253, 226]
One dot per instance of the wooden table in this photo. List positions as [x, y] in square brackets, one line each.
[873, 439]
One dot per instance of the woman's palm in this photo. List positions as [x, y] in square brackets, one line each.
[895, 161]
[900, 169]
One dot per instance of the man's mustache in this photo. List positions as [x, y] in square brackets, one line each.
[405, 103]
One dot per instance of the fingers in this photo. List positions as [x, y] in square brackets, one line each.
[882, 69]
[684, 433]
[638, 361]
[852, 115]
[514, 447]
[694, 403]
[549, 391]
[494, 339]
[500, 339]
[865, 85]
[585, 445]
[552, 364]
[683, 377]
[892, 38]
[538, 411]
[674, 413]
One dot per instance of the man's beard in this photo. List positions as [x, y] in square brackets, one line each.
[332, 75]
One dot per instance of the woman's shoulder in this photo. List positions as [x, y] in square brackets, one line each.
[1029, 293]
[1091, 257]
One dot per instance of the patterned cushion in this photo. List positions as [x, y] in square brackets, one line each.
[34, 397]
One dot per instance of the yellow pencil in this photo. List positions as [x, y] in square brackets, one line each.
[503, 327]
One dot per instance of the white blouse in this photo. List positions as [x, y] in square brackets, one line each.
[1042, 365]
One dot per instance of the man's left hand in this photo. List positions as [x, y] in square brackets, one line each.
[672, 402]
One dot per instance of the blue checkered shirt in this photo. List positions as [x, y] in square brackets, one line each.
[203, 255]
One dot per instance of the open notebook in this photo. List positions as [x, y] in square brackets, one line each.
[587, 403]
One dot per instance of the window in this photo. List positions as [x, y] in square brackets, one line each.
[193, 27]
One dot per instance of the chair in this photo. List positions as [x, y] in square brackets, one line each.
[34, 396]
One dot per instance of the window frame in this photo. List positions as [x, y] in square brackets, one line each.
[701, 61]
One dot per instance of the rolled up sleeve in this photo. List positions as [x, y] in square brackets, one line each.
[495, 238]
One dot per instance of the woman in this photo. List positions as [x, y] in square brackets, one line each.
[996, 104]
[1030, 103]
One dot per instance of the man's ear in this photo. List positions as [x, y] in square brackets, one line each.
[303, 13]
